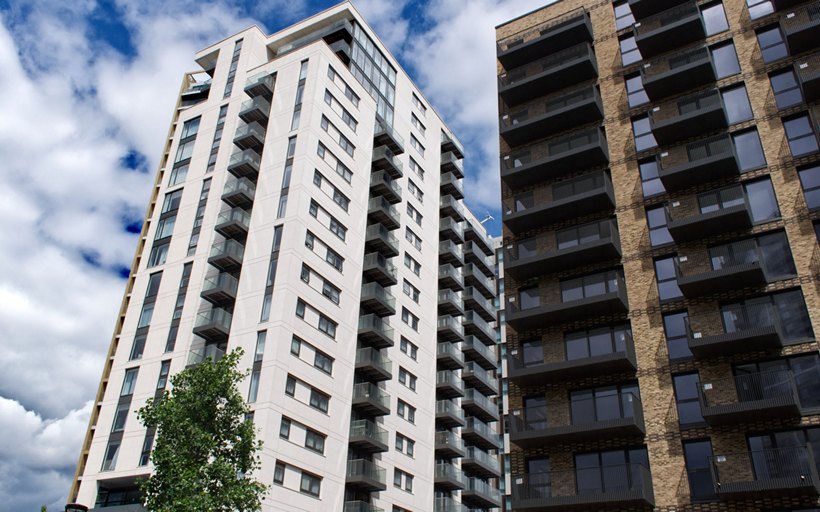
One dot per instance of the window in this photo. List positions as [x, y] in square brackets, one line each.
[667, 279]
[284, 428]
[340, 168]
[279, 473]
[736, 103]
[159, 254]
[409, 348]
[714, 18]
[417, 123]
[402, 480]
[675, 328]
[331, 292]
[111, 453]
[419, 105]
[777, 375]
[145, 315]
[414, 214]
[601, 471]
[634, 90]
[138, 346]
[337, 107]
[623, 15]
[147, 443]
[406, 411]
[800, 133]
[590, 286]
[776, 257]
[319, 400]
[407, 379]
[583, 234]
[164, 369]
[119, 417]
[327, 326]
[788, 308]
[725, 60]
[411, 291]
[290, 386]
[630, 54]
[323, 362]
[337, 136]
[585, 344]
[300, 308]
[603, 403]
[687, 399]
[254, 387]
[260, 345]
[165, 227]
[658, 232]
[415, 191]
[413, 238]
[171, 202]
[178, 174]
[315, 441]
[771, 43]
[810, 181]
[190, 128]
[786, 90]
[650, 182]
[129, 382]
[759, 8]
[405, 445]
[698, 456]
[412, 264]
[410, 319]
[184, 151]
[642, 132]
[762, 200]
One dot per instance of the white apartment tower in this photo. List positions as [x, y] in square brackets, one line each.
[308, 208]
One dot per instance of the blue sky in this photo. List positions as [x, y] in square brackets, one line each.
[88, 88]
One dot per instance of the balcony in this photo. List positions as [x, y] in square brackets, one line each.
[477, 377]
[450, 207]
[381, 184]
[384, 135]
[694, 222]
[475, 232]
[698, 162]
[730, 271]
[589, 243]
[365, 476]
[561, 201]
[615, 487]
[385, 160]
[555, 157]
[476, 302]
[448, 252]
[260, 85]
[679, 26]
[478, 405]
[578, 421]
[239, 193]
[555, 366]
[481, 283]
[450, 277]
[802, 28]
[477, 462]
[366, 436]
[449, 356]
[450, 143]
[379, 209]
[475, 326]
[250, 136]
[245, 164]
[448, 384]
[477, 352]
[373, 365]
[360, 506]
[750, 397]
[613, 302]
[450, 230]
[808, 73]
[233, 223]
[377, 268]
[449, 445]
[644, 8]
[479, 494]
[375, 331]
[476, 256]
[198, 356]
[688, 117]
[554, 34]
[370, 399]
[750, 328]
[379, 238]
[451, 184]
[547, 116]
[448, 477]
[444, 504]
[478, 433]
[214, 325]
[449, 414]
[677, 73]
[256, 110]
[226, 255]
[451, 163]
[450, 329]
[766, 474]
[220, 288]
[547, 74]
[342, 50]
[449, 303]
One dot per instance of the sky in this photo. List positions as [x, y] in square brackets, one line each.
[88, 89]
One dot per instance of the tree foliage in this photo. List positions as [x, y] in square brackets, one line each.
[205, 450]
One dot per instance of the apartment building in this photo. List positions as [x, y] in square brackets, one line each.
[308, 208]
[659, 167]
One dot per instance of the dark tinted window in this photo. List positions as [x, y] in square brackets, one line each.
[786, 89]
[677, 341]
[762, 201]
[810, 181]
[725, 60]
[667, 279]
[714, 19]
[772, 46]
[658, 232]
[687, 398]
[650, 182]
[736, 103]
[800, 133]
[749, 151]
[698, 468]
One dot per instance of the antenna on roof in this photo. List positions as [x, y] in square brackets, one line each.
[487, 218]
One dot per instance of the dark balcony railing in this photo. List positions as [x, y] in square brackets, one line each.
[255, 110]
[367, 436]
[250, 136]
[555, 157]
[749, 397]
[478, 433]
[260, 84]
[386, 135]
[371, 399]
[679, 72]
[548, 74]
[688, 117]
[644, 8]
[373, 364]
[379, 269]
[449, 414]
[698, 162]
[802, 28]
[239, 192]
[670, 29]
[728, 211]
[220, 288]
[731, 269]
[213, 325]
[245, 164]
[560, 201]
[451, 143]
[233, 223]
[382, 184]
[375, 331]
[379, 209]
[385, 160]
[365, 475]
[227, 255]
[747, 328]
[379, 238]
[555, 366]
[450, 276]
[808, 71]
[449, 444]
[547, 116]
[449, 356]
[766, 473]
[551, 35]
[609, 487]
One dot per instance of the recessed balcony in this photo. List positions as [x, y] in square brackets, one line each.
[478, 405]
[477, 377]
[476, 326]
[478, 304]
[547, 74]
[479, 494]
[220, 288]
[615, 487]
[808, 72]
[365, 476]
[731, 213]
[677, 73]
[449, 356]
[379, 209]
[449, 143]
[476, 351]
[450, 277]
[377, 268]
[450, 329]
[448, 477]
[250, 136]
[448, 384]
[729, 271]
[645, 8]
[226, 255]
[260, 84]
[450, 229]
[670, 29]
[233, 223]
[802, 28]
[239, 193]
[366, 436]
[370, 399]
[748, 397]
[255, 110]
[449, 303]
[449, 414]
[379, 238]
[480, 434]
[450, 207]
[385, 160]
[245, 164]
[214, 325]
[698, 162]
[373, 365]
[547, 116]
[387, 136]
[480, 463]
[552, 35]
[555, 157]
[451, 184]
[451, 163]
[382, 184]
[688, 117]
[375, 331]
[476, 278]
[556, 366]
[448, 252]
[752, 328]
[449, 445]
[765, 474]
[342, 50]
[561, 201]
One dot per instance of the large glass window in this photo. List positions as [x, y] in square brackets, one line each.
[762, 200]
[596, 342]
[772, 45]
[650, 182]
[532, 353]
[749, 151]
[630, 53]
[725, 60]
[129, 382]
[736, 103]
[604, 403]
[699, 468]
[658, 231]
[687, 399]
[784, 310]
[759, 8]
[642, 132]
[623, 15]
[786, 89]
[675, 330]
[714, 18]
[610, 471]
[810, 181]
[800, 134]
[805, 370]
[667, 279]
[635, 93]
[590, 286]
[773, 249]
[535, 412]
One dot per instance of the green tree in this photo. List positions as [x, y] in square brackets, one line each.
[205, 450]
